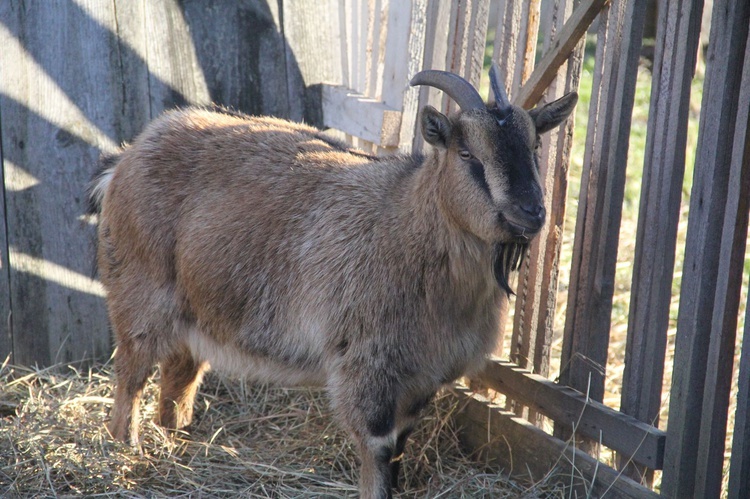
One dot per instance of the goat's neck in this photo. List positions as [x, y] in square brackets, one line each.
[468, 257]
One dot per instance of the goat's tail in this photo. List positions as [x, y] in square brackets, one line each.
[100, 181]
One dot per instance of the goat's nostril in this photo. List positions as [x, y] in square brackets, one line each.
[535, 210]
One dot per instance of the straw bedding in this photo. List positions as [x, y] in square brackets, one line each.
[246, 440]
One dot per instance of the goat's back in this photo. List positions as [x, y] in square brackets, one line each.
[257, 232]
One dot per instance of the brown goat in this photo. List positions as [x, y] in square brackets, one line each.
[263, 248]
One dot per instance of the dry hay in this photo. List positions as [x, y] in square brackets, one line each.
[247, 440]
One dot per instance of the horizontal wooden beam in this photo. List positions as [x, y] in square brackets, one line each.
[529, 454]
[545, 71]
[570, 408]
[360, 116]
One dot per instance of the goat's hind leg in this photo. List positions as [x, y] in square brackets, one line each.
[181, 376]
[133, 365]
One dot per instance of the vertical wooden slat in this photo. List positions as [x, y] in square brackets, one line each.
[376, 34]
[476, 40]
[516, 33]
[728, 290]
[395, 76]
[586, 334]
[678, 34]
[411, 96]
[512, 42]
[452, 41]
[402, 49]
[466, 40]
[537, 284]
[236, 51]
[171, 58]
[6, 335]
[435, 54]
[315, 37]
[707, 297]
[739, 469]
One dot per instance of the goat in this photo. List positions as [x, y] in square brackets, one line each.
[264, 248]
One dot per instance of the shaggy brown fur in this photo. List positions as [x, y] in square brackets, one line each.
[259, 247]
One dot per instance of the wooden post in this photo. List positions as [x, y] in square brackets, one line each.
[710, 283]
[677, 40]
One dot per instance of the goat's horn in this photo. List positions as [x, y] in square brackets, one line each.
[458, 89]
[498, 89]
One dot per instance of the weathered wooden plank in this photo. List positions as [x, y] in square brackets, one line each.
[528, 454]
[512, 44]
[59, 108]
[237, 55]
[411, 97]
[360, 116]
[6, 330]
[476, 39]
[586, 334]
[739, 469]
[452, 52]
[515, 42]
[709, 473]
[433, 57]
[376, 33]
[394, 68]
[172, 59]
[6, 334]
[315, 35]
[537, 284]
[707, 294]
[436, 55]
[467, 32]
[678, 34]
[571, 408]
[570, 35]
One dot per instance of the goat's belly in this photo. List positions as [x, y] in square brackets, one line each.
[231, 360]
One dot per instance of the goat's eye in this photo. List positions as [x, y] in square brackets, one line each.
[465, 155]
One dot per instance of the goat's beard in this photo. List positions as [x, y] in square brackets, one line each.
[508, 258]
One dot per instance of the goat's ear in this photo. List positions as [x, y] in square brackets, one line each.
[550, 115]
[436, 127]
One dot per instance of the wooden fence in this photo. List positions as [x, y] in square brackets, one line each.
[79, 77]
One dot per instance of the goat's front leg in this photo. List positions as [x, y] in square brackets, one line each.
[368, 410]
[406, 421]
[376, 473]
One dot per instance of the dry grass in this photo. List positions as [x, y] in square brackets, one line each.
[247, 440]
